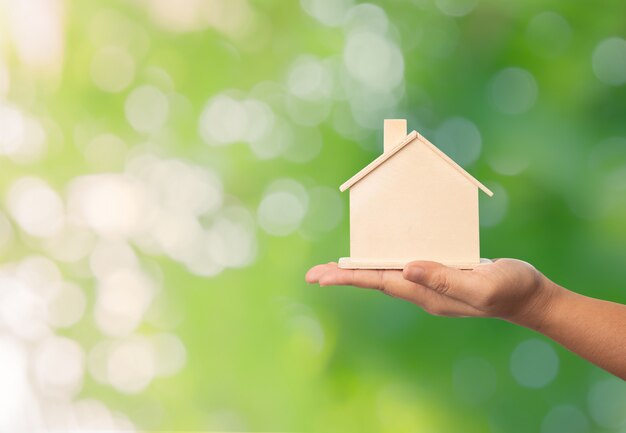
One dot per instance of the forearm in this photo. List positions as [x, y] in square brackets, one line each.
[592, 328]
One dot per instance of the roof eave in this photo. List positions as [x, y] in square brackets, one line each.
[409, 138]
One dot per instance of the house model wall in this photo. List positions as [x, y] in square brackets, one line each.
[412, 203]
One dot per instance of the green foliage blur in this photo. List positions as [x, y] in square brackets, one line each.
[529, 96]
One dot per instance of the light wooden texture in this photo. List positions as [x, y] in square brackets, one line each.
[394, 133]
[411, 203]
[455, 165]
[414, 207]
[413, 136]
[349, 263]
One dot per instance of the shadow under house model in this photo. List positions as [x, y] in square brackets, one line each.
[412, 203]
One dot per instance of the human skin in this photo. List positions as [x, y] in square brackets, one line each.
[507, 289]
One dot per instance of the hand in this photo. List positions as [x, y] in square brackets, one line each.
[506, 288]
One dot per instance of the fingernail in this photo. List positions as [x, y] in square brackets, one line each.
[415, 272]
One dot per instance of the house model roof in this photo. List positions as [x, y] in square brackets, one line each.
[409, 139]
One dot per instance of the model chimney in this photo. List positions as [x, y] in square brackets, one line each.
[394, 134]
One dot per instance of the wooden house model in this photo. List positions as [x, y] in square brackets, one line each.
[413, 202]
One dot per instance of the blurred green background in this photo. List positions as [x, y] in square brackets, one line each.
[169, 170]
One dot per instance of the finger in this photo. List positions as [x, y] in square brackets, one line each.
[392, 283]
[429, 300]
[364, 278]
[313, 274]
[455, 283]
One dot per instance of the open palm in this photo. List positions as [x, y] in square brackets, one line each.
[506, 288]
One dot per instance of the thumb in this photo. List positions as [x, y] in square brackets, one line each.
[451, 282]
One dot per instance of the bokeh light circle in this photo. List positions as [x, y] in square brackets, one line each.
[534, 363]
[306, 145]
[7, 235]
[231, 243]
[283, 207]
[325, 211]
[373, 60]
[494, 209]
[106, 152]
[513, 90]
[308, 78]
[5, 79]
[170, 354]
[276, 142]
[131, 365]
[15, 389]
[223, 121]
[226, 119]
[22, 310]
[123, 298]
[110, 204]
[13, 128]
[59, 366]
[36, 207]
[456, 8]
[112, 69]
[67, 306]
[548, 34]
[609, 61]
[147, 109]
[367, 16]
[565, 418]
[460, 139]
[606, 402]
[328, 12]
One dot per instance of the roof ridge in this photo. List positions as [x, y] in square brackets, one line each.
[409, 138]
[378, 161]
[454, 165]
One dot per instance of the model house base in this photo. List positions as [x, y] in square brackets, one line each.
[350, 263]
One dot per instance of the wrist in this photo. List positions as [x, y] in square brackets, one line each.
[540, 306]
